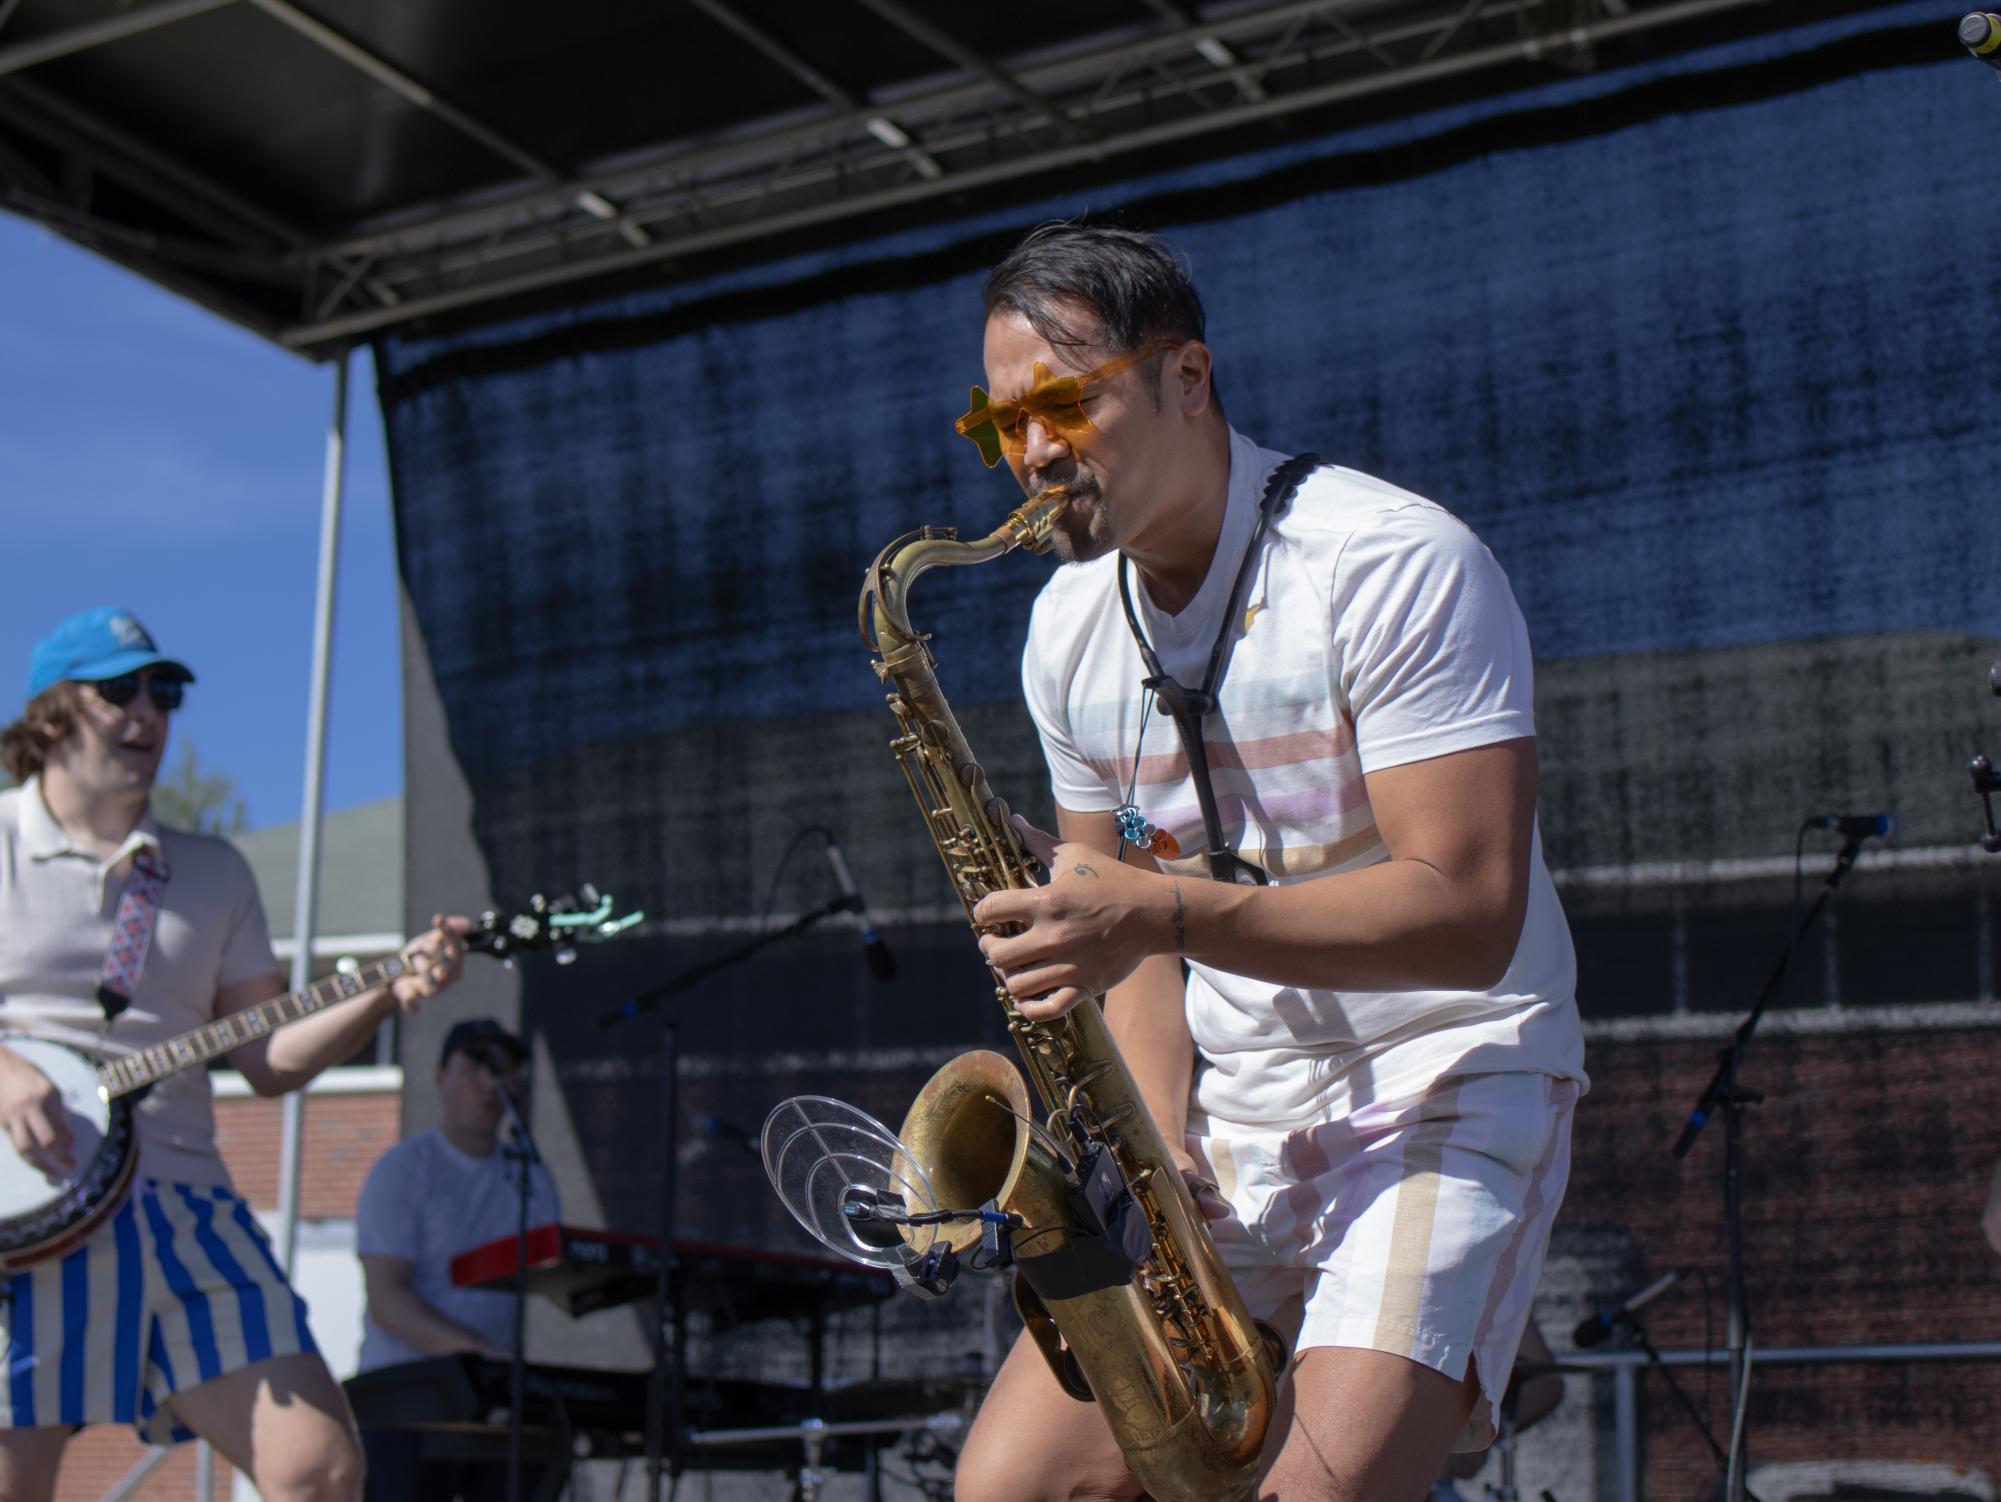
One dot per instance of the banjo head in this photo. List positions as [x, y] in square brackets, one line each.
[38, 1214]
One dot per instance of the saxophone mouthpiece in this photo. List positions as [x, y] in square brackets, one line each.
[1033, 524]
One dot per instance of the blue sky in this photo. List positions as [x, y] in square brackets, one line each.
[156, 457]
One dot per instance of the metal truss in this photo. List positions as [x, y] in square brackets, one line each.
[1177, 73]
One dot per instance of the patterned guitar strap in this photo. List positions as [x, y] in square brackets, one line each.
[132, 932]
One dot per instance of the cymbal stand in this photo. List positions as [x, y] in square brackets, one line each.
[812, 1475]
[665, 1410]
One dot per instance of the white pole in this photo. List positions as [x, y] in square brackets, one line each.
[306, 901]
[128, 1485]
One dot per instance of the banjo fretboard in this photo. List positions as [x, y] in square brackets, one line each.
[136, 1071]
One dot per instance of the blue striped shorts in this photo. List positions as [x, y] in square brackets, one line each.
[178, 1288]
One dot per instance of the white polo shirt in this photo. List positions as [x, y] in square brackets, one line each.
[57, 903]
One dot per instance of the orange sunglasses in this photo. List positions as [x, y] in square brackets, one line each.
[1057, 402]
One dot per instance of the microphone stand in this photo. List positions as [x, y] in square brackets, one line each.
[1725, 1093]
[1680, 1393]
[522, 1153]
[664, 1407]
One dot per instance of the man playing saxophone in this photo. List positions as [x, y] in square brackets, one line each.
[1287, 714]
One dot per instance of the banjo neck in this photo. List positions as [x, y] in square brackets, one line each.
[41, 1218]
[198, 1045]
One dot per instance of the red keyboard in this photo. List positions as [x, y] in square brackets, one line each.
[582, 1270]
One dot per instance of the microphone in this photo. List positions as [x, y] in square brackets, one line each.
[1980, 34]
[504, 1070]
[881, 963]
[1594, 1330]
[1856, 826]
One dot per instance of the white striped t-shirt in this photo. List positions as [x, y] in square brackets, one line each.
[1375, 630]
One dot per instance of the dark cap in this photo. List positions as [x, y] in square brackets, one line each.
[474, 1031]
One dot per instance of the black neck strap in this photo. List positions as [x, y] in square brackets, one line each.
[1188, 706]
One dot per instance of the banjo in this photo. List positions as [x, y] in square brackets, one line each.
[42, 1217]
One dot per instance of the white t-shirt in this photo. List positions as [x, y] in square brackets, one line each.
[1379, 632]
[425, 1202]
[57, 906]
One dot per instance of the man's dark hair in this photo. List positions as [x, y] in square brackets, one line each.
[1137, 286]
[46, 722]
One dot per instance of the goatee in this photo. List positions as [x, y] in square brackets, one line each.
[1083, 531]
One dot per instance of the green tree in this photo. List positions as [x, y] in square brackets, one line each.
[189, 798]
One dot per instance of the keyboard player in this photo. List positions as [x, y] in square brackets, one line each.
[427, 1199]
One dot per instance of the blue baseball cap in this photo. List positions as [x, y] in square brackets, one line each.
[96, 645]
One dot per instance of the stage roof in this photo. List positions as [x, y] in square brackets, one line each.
[324, 171]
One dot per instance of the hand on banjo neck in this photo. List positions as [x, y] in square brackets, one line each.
[31, 1107]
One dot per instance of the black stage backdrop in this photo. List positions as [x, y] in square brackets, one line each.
[1703, 352]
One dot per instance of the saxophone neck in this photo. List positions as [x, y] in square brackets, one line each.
[885, 605]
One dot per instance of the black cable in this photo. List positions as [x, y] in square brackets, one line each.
[1681, 1396]
[784, 861]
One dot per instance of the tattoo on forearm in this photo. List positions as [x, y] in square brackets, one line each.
[1083, 870]
[1180, 923]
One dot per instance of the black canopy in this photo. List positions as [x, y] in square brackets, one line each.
[323, 169]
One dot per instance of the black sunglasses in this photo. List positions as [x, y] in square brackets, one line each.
[120, 691]
[496, 1061]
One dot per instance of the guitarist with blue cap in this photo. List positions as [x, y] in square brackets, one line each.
[117, 934]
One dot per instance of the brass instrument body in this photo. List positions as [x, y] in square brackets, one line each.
[1185, 1379]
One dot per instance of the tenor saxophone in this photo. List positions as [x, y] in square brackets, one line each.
[1116, 1278]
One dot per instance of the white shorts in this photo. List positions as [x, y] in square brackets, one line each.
[1413, 1226]
[177, 1288]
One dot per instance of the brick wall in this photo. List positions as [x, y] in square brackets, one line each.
[1865, 1172]
[95, 1460]
[344, 1134]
